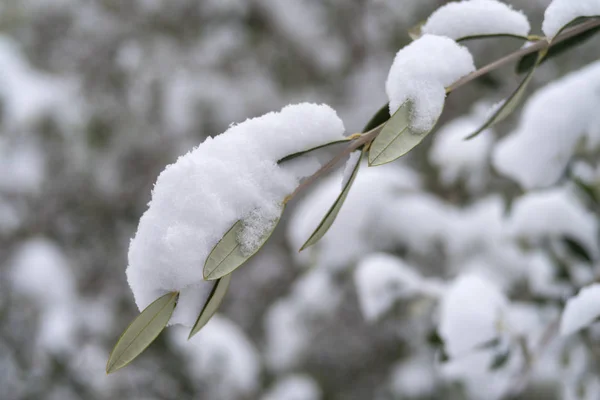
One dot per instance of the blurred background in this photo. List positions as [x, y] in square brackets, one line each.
[97, 97]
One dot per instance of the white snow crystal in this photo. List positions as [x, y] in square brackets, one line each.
[223, 356]
[554, 213]
[470, 314]
[198, 198]
[382, 279]
[555, 120]
[294, 387]
[463, 19]
[560, 12]
[421, 72]
[581, 310]
[457, 158]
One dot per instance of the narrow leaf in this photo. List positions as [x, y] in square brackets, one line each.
[212, 304]
[303, 152]
[492, 35]
[416, 31]
[227, 255]
[500, 360]
[379, 118]
[142, 331]
[396, 138]
[511, 103]
[577, 249]
[333, 211]
[526, 62]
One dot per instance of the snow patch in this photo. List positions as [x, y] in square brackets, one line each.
[234, 176]
[463, 19]
[421, 72]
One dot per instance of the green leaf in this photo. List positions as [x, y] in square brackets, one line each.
[526, 62]
[142, 331]
[416, 31]
[303, 152]
[212, 304]
[333, 211]
[227, 255]
[509, 104]
[379, 118]
[396, 138]
[577, 249]
[492, 35]
[500, 360]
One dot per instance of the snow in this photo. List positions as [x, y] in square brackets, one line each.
[349, 167]
[26, 163]
[413, 378]
[291, 321]
[294, 387]
[372, 192]
[581, 310]
[222, 355]
[198, 198]
[382, 279]
[28, 94]
[553, 213]
[420, 73]
[457, 158]
[40, 270]
[471, 312]
[561, 12]
[463, 19]
[555, 120]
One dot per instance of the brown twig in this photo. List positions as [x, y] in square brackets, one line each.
[368, 137]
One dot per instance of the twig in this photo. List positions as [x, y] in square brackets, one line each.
[537, 46]
[368, 137]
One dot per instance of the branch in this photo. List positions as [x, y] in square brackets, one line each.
[535, 47]
[368, 137]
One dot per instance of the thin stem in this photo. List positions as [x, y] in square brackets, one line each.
[368, 137]
[355, 144]
[535, 47]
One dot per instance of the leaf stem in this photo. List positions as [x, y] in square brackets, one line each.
[366, 138]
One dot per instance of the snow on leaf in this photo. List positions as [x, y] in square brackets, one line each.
[581, 310]
[470, 314]
[421, 71]
[561, 13]
[228, 254]
[475, 19]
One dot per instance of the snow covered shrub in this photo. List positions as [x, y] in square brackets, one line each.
[516, 262]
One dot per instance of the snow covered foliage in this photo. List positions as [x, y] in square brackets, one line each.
[473, 18]
[232, 177]
[421, 72]
[466, 324]
[581, 310]
[294, 387]
[565, 105]
[466, 270]
[291, 322]
[561, 12]
[459, 160]
[222, 355]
